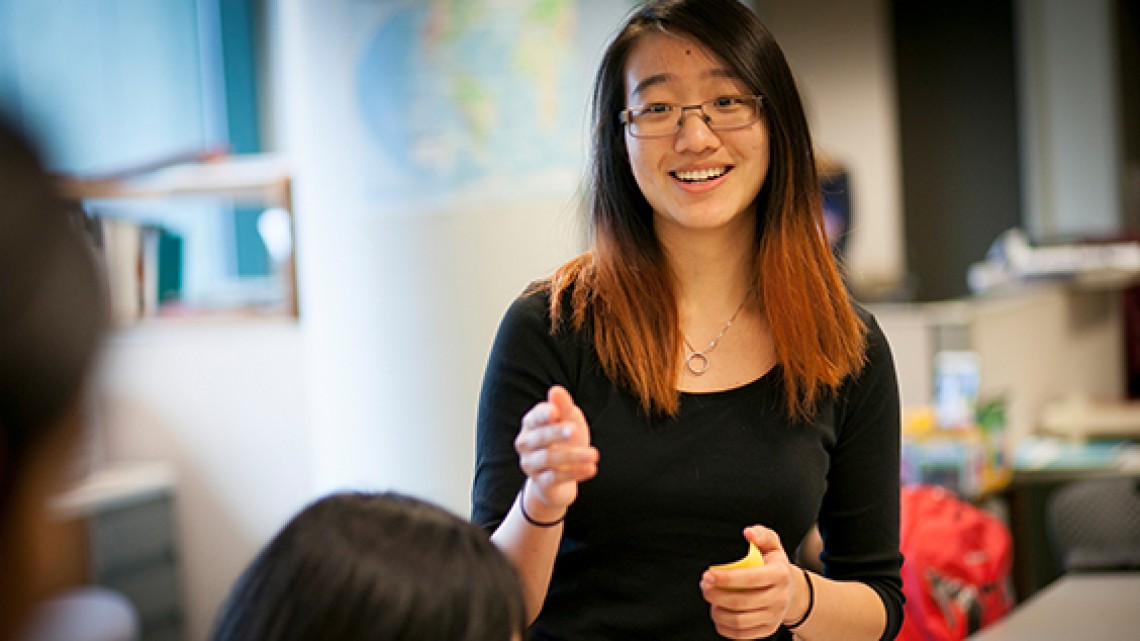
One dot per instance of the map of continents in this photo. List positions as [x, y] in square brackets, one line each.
[473, 101]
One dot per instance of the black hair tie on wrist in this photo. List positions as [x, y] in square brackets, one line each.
[811, 600]
[522, 508]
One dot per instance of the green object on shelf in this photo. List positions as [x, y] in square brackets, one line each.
[169, 267]
[990, 415]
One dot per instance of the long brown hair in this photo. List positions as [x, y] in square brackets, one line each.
[624, 288]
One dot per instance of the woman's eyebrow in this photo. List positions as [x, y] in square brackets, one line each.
[656, 79]
[721, 73]
[662, 78]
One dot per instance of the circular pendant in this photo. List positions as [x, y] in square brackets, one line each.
[697, 363]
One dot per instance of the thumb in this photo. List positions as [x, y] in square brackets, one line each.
[765, 540]
[566, 410]
[561, 400]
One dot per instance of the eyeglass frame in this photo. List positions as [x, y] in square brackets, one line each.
[625, 116]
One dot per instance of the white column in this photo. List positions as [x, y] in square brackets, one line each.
[1069, 118]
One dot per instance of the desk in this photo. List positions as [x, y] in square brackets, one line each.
[1100, 607]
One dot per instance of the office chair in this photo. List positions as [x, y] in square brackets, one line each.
[1094, 525]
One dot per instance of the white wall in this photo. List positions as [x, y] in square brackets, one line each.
[400, 303]
[224, 403]
[842, 56]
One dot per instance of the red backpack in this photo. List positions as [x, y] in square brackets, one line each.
[956, 572]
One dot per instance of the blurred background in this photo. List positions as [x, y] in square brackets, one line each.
[313, 215]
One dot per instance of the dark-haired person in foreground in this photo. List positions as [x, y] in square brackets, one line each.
[700, 377]
[52, 318]
[375, 567]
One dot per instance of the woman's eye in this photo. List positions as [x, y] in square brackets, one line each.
[726, 102]
[657, 108]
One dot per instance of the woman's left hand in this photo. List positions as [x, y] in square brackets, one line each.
[751, 603]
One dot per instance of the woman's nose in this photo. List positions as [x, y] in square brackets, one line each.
[694, 134]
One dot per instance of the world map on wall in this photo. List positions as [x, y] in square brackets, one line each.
[473, 100]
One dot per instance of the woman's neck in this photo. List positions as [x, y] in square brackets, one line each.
[714, 272]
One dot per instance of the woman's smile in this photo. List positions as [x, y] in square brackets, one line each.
[701, 179]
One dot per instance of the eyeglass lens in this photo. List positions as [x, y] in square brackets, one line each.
[664, 119]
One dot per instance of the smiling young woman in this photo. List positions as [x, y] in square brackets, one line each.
[818, 338]
[700, 376]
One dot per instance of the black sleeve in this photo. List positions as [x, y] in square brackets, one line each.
[526, 359]
[859, 518]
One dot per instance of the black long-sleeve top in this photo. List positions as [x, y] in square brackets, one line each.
[672, 495]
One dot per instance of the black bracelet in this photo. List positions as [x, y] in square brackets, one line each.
[811, 602]
[522, 508]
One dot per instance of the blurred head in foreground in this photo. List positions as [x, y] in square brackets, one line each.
[52, 316]
[376, 567]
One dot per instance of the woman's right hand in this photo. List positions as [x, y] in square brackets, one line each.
[555, 453]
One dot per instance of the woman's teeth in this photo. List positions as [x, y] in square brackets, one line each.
[700, 175]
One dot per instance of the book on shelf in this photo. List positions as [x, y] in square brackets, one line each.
[143, 268]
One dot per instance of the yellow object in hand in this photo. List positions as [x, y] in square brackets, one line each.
[751, 560]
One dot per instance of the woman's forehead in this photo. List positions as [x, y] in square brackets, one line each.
[663, 58]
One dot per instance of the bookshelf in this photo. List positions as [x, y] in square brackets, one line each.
[248, 177]
[145, 262]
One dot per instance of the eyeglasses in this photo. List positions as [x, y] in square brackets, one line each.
[660, 119]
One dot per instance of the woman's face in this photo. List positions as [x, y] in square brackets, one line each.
[696, 178]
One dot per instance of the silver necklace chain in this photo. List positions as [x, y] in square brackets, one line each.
[698, 361]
